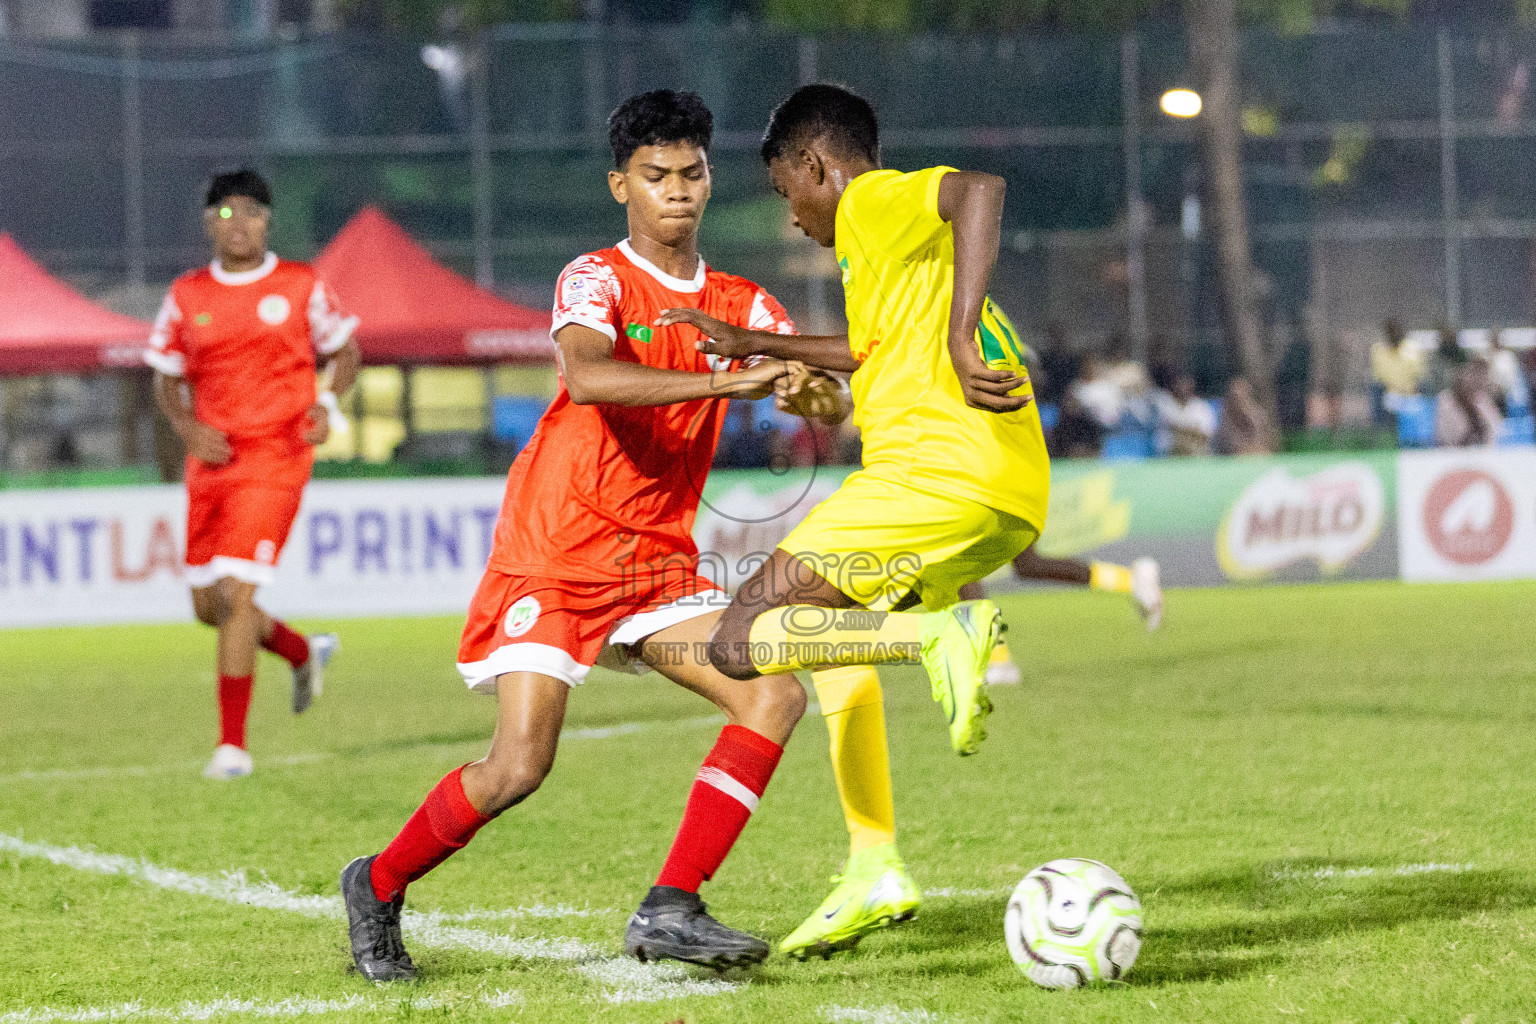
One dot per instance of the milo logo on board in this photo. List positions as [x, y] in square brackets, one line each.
[1331, 517]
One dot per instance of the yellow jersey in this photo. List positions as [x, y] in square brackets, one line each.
[897, 256]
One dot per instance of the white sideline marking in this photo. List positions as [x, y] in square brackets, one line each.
[625, 980]
[140, 771]
[559, 910]
[294, 1007]
[950, 891]
[1329, 871]
[877, 1015]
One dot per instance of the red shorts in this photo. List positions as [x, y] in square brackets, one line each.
[560, 629]
[239, 515]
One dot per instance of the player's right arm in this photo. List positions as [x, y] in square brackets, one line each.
[205, 443]
[167, 354]
[972, 203]
[585, 326]
[826, 351]
[593, 376]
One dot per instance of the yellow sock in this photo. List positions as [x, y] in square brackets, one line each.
[1000, 654]
[802, 636]
[1116, 579]
[854, 708]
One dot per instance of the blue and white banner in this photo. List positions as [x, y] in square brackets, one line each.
[417, 547]
[98, 555]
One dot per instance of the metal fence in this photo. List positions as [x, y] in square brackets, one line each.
[1387, 169]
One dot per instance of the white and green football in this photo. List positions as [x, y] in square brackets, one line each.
[1073, 922]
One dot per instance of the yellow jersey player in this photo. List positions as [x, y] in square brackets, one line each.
[954, 485]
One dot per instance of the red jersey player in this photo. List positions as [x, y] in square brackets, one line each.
[235, 349]
[594, 561]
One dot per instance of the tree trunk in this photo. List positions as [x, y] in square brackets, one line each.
[1213, 46]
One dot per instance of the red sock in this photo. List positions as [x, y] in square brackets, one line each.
[724, 795]
[445, 822]
[234, 704]
[287, 644]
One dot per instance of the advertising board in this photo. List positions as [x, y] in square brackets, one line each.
[1467, 514]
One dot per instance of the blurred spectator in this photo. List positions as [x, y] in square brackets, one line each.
[850, 444]
[1396, 366]
[1121, 369]
[1465, 415]
[747, 440]
[1187, 421]
[1245, 427]
[1058, 366]
[1445, 362]
[812, 443]
[1096, 394]
[1510, 387]
[1130, 376]
[1078, 433]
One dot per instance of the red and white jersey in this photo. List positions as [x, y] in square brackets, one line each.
[609, 492]
[246, 343]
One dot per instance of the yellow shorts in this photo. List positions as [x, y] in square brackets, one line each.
[887, 544]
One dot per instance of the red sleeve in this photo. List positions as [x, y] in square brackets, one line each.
[167, 352]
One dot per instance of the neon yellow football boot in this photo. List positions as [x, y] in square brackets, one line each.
[957, 644]
[873, 892]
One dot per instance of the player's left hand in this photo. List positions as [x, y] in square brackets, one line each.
[317, 425]
[984, 389]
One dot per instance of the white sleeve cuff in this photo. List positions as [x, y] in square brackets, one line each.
[338, 338]
[602, 327]
[169, 363]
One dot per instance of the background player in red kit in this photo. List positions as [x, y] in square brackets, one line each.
[594, 560]
[234, 350]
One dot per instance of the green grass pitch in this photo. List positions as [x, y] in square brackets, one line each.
[1323, 795]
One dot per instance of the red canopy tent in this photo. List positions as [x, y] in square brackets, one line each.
[414, 310]
[48, 327]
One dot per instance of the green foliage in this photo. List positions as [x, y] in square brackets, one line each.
[1291, 16]
[429, 17]
[933, 15]
[1297, 16]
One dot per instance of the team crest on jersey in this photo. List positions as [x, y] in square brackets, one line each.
[203, 319]
[521, 616]
[273, 309]
[266, 552]
[640, 333]
[842, 262]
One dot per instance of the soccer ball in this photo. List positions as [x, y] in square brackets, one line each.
[1073, 922]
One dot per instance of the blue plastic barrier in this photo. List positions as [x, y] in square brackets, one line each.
[514, 417]
[1127, 444]
[1415, 420]
[1050, 415]
[1518, 431]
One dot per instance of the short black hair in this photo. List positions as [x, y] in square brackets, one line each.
[823, 111]
[656, 118]
[243, 182]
